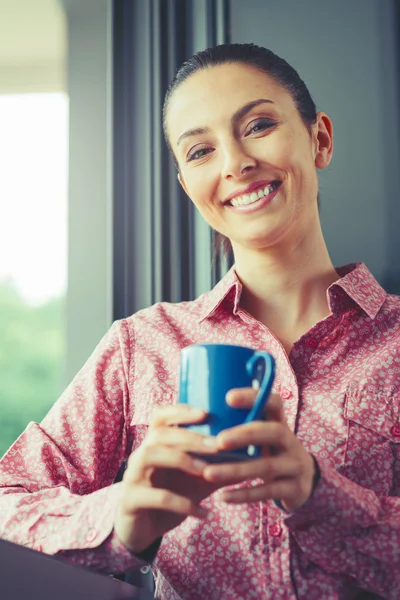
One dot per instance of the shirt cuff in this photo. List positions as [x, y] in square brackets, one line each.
[317, 476]
[94, 544]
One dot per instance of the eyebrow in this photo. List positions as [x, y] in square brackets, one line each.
[237, 116]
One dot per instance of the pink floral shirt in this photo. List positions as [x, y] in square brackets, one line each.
[341, 391]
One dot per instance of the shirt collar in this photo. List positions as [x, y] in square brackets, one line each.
[359, 285]
[356, 284]
[229, 285]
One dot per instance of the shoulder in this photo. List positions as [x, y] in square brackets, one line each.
[389, 314]
[392, 303]
[166, 314]
[376, 341]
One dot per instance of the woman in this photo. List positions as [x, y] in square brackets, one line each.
[320, 517]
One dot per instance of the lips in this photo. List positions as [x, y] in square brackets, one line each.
[256, 185]
[250, 195]
[252, 203]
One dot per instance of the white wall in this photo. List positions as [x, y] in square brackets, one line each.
[345, 51]
[89, 299]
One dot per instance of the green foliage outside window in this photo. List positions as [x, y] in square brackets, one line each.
[32, 351]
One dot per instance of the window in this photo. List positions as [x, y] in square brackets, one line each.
[33, 215]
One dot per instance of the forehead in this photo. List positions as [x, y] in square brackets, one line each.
[215, 93]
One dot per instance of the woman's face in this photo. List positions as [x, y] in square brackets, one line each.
[245, 157]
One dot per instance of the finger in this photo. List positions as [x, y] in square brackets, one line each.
[177, 414]
[274, 409]
[141, 464]
[257, 433]
[267, 469]
[272, 491]
[245, 398]
[143, 498]
[241, 397]
[182, 439]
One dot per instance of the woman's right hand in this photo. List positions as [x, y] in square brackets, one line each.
[163, 483]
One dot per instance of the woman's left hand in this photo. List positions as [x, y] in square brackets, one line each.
[287, 472]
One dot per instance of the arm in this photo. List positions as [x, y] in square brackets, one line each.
[55, 481]
[348, 530]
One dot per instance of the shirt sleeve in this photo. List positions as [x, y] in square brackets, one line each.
[56, 481]
[348, 530]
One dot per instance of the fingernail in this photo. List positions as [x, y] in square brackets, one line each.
[227, 496]
[217, 473]
[210, 442]
[199, 465]
[197, 412]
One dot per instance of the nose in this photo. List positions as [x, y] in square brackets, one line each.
[237, 162]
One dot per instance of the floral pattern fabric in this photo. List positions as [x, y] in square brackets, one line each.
[340, 387]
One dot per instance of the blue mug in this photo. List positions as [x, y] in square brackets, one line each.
[208, 372]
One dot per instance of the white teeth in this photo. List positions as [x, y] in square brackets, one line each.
[253, 197]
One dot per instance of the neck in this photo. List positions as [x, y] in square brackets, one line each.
[285, 286]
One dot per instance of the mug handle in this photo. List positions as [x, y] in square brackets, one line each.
[256, 412]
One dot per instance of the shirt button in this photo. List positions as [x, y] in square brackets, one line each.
[275, 530]
[144, 570]
[311, 343]
[286, 394]
[91, 534]
[396, 430]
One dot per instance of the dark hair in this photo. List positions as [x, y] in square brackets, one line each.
[259, 58]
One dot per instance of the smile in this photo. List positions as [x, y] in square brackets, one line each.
[255, 195]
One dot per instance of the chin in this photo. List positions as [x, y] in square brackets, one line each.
[261, 239]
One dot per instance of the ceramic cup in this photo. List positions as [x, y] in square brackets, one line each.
[208, 372]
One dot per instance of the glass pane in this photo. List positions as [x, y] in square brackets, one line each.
[33, 218]
[33, 243]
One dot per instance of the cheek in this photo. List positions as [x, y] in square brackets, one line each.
[280, 153]
[201, 188]
[291, 150]
[298, 163]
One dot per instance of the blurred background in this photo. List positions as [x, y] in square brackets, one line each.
[92, 224]
[33, 210]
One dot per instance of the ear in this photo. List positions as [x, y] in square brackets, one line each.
[323, 140]
[181, 181]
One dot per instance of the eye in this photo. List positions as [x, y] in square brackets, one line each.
[198, 153]
[259, 125]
